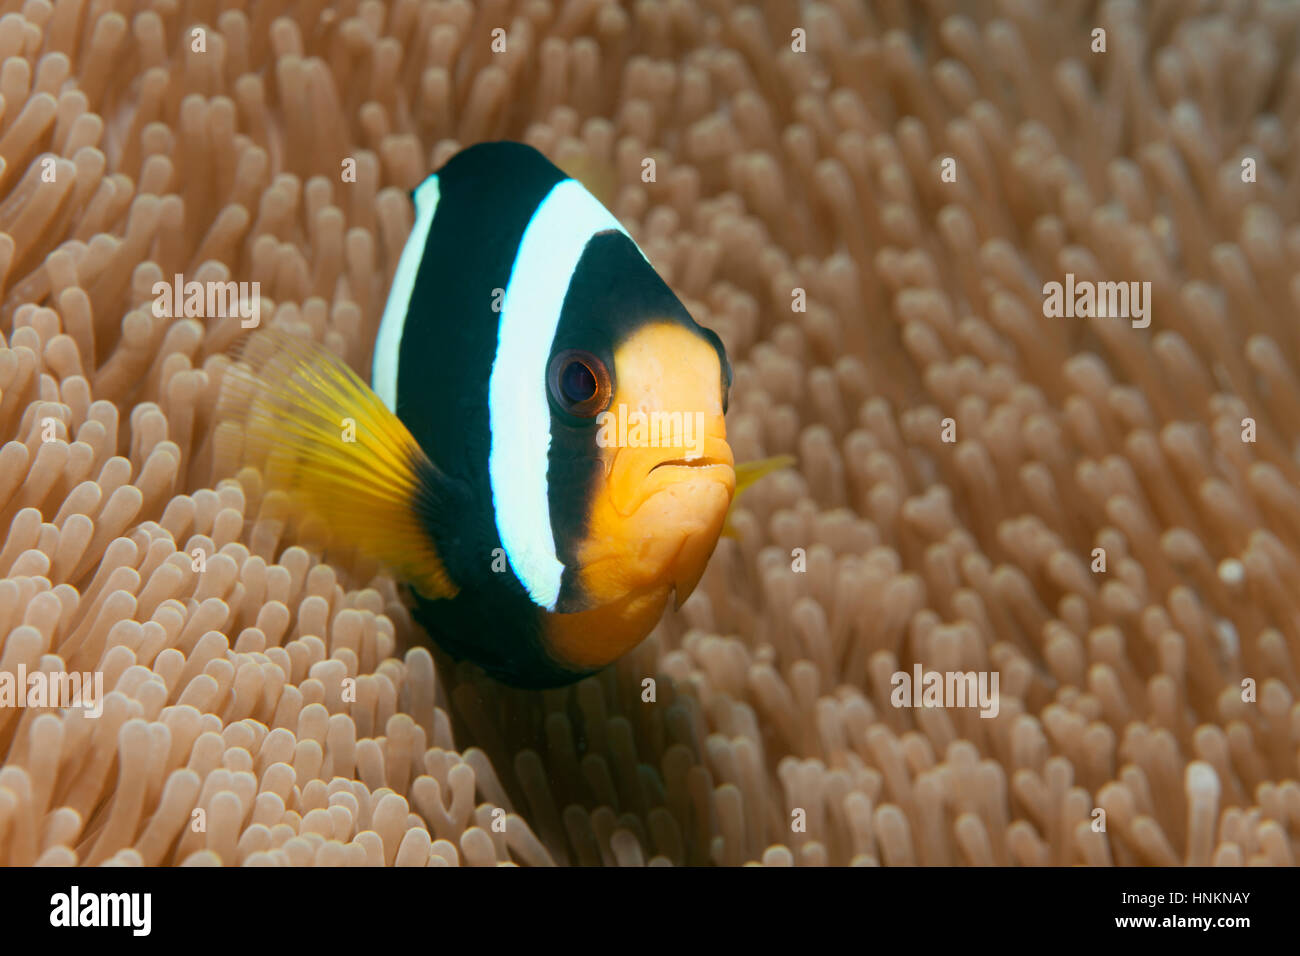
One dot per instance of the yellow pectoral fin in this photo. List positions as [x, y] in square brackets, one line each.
[749, 472]
[318, 433]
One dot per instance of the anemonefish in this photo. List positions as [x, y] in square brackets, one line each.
[489, 464]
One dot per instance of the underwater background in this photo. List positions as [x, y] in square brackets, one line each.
[865, 201]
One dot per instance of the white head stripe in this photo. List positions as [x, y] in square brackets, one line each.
[520, 414]
[388, 346]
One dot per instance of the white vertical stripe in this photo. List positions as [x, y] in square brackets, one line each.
[383, 373]
[519, 411]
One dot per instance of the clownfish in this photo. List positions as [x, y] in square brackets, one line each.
[541, 452]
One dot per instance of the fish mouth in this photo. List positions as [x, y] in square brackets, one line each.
[690, 496]
[651, 473]
[701, 461]
[656, 518]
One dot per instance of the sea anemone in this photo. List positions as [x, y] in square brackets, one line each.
[865, 202]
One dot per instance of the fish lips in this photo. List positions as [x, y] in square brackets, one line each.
[683, 506]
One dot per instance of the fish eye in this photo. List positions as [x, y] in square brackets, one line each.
[579, 383]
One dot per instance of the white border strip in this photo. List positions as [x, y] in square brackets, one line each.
[388, 346]
[553, 242]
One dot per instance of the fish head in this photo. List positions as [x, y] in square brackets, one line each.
[664, 482]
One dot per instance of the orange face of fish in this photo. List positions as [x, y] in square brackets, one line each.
[669, 479]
